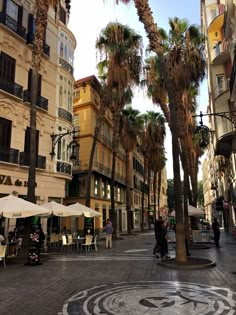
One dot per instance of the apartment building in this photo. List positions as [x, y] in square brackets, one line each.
[54, 100]
[218, 18]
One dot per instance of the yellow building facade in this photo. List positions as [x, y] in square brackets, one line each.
[86, 108]
[54, 101]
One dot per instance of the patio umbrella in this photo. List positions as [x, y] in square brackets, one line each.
[83, 210]
[60, 210]
[15, 207]
[192, 211]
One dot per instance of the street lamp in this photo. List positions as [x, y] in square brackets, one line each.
[73, 145]
[204, 131]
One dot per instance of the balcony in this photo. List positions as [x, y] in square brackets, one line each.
[9, 155]
[12, 25]
[11, 88]
[63, 167]
[217, 23]
[40, 160]
[105, 140]
[220, 53]
[66, 66]
[65, 114]
[41, 102]
[102, 169]
[30, 40]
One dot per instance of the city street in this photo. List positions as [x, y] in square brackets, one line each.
[123, 280]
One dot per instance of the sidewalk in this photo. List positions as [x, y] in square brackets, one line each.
[126, 279]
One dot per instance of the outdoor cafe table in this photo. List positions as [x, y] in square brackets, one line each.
[78, 241]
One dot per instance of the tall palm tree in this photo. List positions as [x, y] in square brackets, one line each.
[42, 7]
[183, 65]
[130, 128]
[121, 52]
[155, 134]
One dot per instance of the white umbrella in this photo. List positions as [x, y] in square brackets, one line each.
[14, 207]
[83, 210]
[192, 212]
[56, 208]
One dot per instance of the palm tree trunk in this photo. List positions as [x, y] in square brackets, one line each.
[115, 144]
[128, 200]
[143, 193]
[180, 229]
[159, 192]
[154, 195]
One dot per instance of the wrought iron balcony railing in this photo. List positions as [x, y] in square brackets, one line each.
[12, 25]
[11, 87]
[63, 167]
[40, 160]
[65, 65]
[9, 155]
[41, 101]
[65, 114]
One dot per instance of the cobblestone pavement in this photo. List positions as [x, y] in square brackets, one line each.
[124, 280]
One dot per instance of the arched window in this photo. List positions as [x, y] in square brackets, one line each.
[61, 50]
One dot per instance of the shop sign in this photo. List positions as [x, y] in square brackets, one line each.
[8, 180]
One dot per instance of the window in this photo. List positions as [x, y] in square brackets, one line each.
[7, 67]
[61, 96]
[61, 50]
[220, 83]
[108, 191]
[96, 187]
[12, 10]
[118, 194]
[213, 14]
[103, 189]
[5, 132]
[62, 15]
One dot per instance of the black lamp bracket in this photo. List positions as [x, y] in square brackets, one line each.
[57, 137]
[227, 115]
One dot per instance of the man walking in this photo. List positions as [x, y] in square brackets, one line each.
[108, 231]
[216, 230]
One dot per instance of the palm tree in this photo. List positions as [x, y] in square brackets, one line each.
[154, 137]
[131, 126]
[42, 7]
[183, 64]
[120, 49]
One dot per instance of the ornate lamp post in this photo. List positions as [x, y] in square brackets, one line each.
[73, 145]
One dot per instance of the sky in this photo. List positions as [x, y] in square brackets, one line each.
[89, 17]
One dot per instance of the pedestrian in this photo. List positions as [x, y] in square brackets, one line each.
[216, 230]
[108, 229]
[161, 246]
[2, 238]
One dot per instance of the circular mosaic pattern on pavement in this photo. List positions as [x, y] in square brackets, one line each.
[152, 298]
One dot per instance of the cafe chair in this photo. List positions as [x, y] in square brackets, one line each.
[70, 241]
[65, 243]
[94, 243]
[88, 242]
[3, 249]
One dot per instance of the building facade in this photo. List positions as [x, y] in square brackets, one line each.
[53, 106]
[217, 20]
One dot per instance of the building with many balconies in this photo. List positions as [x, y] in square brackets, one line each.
[218, 24]
[53, 105]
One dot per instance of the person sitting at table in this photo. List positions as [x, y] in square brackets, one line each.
[12, 243]
[2, 238]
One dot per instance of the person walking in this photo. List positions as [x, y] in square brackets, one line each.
[216, 231]
[161, 246]
[108, 229]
